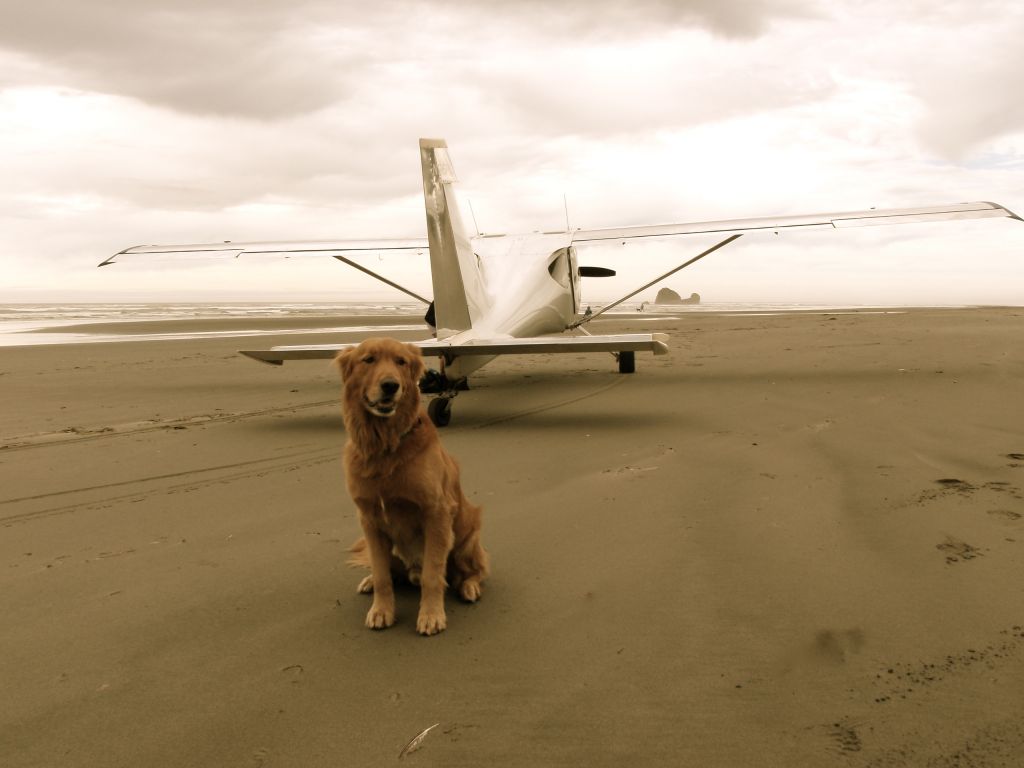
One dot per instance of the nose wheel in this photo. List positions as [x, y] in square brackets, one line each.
[440, 411]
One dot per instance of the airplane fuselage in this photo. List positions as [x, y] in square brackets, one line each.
[531, 286]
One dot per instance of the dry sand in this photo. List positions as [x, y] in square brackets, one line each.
[799, 540]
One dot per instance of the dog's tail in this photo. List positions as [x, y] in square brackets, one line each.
[360, 554]
[361, 559]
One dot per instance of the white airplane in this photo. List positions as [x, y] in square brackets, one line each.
[520, 294]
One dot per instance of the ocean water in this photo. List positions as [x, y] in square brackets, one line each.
[21, 324]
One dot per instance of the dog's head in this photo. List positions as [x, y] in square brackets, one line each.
[381, 375]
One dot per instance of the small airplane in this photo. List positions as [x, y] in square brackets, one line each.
[520, 294]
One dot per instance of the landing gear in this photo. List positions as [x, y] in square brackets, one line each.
[433, 382]
[440, 411]
[627, 362]
[436, 383]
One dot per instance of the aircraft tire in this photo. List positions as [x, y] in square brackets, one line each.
[627, 362]
[440, 411]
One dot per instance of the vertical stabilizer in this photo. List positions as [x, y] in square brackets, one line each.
[459, 296]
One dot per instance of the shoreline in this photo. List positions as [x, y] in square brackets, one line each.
[159, 329]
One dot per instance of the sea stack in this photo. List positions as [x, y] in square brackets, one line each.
[668, 296]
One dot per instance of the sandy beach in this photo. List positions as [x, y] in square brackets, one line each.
[798, 540]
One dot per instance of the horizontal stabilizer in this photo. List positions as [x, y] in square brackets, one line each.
[623, 342]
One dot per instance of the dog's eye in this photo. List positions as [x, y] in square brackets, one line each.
[369, 359]
[400, 361]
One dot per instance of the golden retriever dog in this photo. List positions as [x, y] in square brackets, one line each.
[416, 521]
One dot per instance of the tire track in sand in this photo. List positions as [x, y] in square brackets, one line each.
[253, 468]
[78, 434]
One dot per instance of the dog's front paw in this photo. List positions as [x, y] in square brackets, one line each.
[431, 622]
[380, 617]
[365, 586]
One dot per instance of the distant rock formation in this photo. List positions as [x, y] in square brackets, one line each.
[668, 296]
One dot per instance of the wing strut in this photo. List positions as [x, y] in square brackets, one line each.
[383, 279]
[698, 257]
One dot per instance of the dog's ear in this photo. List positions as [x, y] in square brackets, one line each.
[415, 361]
[344, 360]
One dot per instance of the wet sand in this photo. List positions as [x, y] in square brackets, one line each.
[798, 540]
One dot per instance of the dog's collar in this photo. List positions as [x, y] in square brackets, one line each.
[410, 430]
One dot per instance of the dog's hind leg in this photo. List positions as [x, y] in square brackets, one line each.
[361, 559]
[471, 586]
[470, 566]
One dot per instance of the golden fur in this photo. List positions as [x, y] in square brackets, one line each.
[415, 518]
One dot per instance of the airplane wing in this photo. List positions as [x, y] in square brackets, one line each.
[623, 342]
[869, 217]
[229, 249]
[334, 248]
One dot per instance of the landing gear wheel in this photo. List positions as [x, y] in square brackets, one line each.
[440, 411]
[627, 362]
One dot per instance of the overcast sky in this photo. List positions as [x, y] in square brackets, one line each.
[133, 121]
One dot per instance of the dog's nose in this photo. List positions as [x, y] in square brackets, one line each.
[389, 387]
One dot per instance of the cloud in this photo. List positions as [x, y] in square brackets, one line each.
[273, 59]
[248, 59]
[972, 100]
[667, 82]
[962, 61]
[610, 18]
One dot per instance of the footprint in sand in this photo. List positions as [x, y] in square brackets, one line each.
[845, 737]
[838, 645]
[1006, 514]
[957, 550]
[956, 485]
[904, 679]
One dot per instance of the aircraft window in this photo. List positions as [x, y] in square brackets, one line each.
[559, 268]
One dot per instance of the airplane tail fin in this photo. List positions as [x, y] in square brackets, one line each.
[459, 295]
